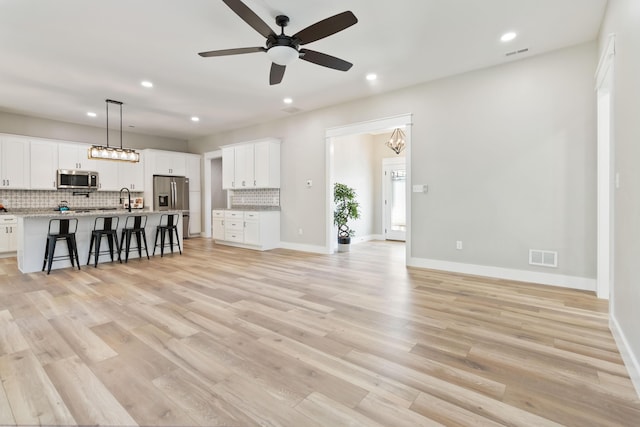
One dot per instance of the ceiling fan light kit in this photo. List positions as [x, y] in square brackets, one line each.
[283, 49]
[282, 55]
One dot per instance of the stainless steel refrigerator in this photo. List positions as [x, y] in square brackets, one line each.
[172, 193]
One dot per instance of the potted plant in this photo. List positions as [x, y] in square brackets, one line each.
[346, 208]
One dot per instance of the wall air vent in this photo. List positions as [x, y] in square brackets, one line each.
[543, 258]
[517, 52]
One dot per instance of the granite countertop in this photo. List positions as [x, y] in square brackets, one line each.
[251, 208]
[78, 211]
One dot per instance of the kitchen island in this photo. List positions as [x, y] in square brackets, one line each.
[33, 227]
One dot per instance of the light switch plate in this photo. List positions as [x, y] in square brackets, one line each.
[420, 188]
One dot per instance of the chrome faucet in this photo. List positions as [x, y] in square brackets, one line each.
[129, 195]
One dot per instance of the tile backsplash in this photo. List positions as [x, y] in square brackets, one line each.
[42, 199]
[260, 197]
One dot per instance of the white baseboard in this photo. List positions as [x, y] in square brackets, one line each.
[572, 282]
[360, 239]
[304, 248]
[628, 356]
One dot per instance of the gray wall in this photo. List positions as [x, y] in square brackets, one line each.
[44, 128]
[623, 19]
[508, 153]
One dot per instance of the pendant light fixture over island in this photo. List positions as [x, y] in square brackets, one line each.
[101, 152]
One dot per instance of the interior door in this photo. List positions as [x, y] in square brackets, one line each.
[394, 175]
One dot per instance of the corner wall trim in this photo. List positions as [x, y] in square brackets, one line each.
[572, 282]
[630, 359]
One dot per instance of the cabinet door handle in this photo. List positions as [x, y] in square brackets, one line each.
[254, 183]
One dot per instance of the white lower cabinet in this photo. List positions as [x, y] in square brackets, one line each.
[8, 233]
[249, 229]
[217, 224]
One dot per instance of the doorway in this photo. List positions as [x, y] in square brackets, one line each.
[373, 126]
[394, 195]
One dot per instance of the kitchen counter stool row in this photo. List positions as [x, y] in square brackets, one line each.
[107, 227]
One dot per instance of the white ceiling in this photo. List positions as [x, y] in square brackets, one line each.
[62, 58]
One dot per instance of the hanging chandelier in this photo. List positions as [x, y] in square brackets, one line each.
[101, 152]
[397, 142]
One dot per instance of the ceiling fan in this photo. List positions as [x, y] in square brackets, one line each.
[283, 49]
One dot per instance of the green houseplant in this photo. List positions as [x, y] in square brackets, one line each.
[346, 208]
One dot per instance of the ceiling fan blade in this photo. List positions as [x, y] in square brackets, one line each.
[250, 17]
[325, 60]
[276, 74]
[238, 51]
[326, 27]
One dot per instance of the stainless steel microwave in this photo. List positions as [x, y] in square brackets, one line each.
[77, 180]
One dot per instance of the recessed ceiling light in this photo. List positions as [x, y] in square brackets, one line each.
[371, 77]
[146, 83]
[195, 119]
[91, 114]
[287, 100]
[507, 37]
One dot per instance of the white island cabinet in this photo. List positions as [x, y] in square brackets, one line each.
[251, 229]
[32, 235]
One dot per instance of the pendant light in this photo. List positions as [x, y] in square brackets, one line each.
[397, 142]
[101, 152]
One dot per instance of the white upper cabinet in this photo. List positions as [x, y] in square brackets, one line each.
[193, 162]
[75, 156]
[108, 179]
[251, 165]
[44, 164]
[161, 162]
[228, 167]
[14, 162]
[131, 175]
[267, 164]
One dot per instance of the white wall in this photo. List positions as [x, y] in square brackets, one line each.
[623, 19]
[354, 165]
[44, 128]
[508, 153]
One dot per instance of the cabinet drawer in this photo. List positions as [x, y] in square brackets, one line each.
[234, 236]
[233, 225]
[217, 214]
[234, 215]
[8, 220]
[251, 216]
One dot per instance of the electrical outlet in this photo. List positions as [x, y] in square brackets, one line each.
[300, 231]
[459, 245]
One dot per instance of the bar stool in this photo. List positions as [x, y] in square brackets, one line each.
[168, 223]
[104, 226]
[61, 229]
[133, 225]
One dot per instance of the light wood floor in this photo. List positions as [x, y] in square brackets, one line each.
[229, 337]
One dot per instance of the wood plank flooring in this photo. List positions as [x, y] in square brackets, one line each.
[222, 336]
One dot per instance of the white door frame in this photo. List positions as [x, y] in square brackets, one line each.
[208, 156]
[605, 233]
[383, 124]
[386, 164]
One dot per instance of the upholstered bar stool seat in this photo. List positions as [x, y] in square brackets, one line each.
[168, 224]
[61, 229]
[104, 226]
[134, 225]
